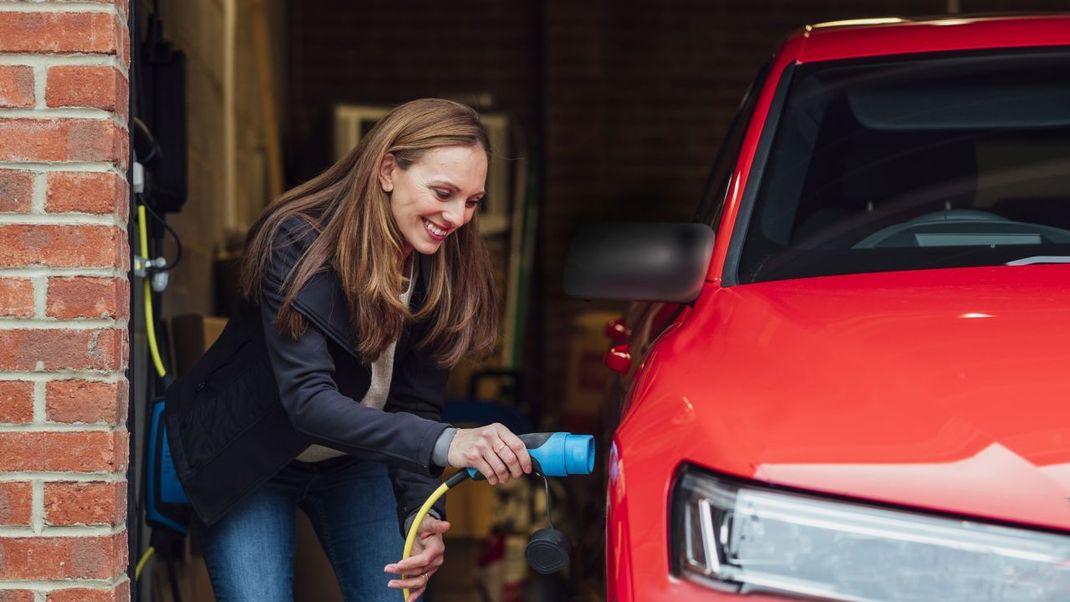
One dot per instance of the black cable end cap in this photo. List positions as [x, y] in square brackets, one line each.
[548, 551]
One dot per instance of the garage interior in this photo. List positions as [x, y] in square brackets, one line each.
[599, 111]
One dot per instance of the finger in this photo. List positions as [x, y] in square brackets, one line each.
[496, 464]
[433, 526]
[508, 457]
[413, 565]
[417, 582]
[434, 547]
[485, 469]
[518, 448]
[415, 594]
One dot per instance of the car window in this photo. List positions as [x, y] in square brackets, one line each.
[924, 162]
[716, 190]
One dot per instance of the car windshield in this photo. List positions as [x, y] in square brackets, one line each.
[916, 163]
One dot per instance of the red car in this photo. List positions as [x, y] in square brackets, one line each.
[857, 385]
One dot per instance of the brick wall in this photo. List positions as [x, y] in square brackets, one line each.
[388, 53]
[64, 300]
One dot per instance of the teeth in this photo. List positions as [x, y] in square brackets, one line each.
[434, 229]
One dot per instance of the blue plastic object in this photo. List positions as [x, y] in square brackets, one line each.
[166, 500]
[557, 454]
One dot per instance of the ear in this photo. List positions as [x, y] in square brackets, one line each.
[387, 167]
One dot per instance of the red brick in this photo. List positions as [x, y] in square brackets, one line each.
[86, 297]
[86, 401]
[16, 298]
[121, 593]
[16, 402]
[16, 191]
[90, 451]
[125, 45]
[60, 32]
[16, 502]
[62, 140]
[122, 5]
[87, 86]
[16, 595]
[79, 503]
[64, 246]
[16, 87]
[86, 192]
[86, 557]
[63, 349]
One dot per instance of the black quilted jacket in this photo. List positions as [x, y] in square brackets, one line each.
[256, 399]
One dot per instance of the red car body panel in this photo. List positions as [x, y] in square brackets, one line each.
[884, 384]
[942, 35]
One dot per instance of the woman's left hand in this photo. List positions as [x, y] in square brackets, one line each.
[427, 555]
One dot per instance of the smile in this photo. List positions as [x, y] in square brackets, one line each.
[436, 232]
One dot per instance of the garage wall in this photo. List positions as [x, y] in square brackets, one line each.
[381, 53]
[197, 28]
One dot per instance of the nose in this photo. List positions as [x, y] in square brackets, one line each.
[453, 214]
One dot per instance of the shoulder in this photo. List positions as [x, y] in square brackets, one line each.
[295, 230]
[291, 239]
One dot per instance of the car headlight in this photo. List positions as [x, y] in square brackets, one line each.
[745, 538]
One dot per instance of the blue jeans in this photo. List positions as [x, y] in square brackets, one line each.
[250, 551]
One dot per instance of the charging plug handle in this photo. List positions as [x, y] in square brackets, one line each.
[558, 454]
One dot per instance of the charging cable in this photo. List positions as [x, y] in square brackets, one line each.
[457, 478]
[552, 455]
[146, 264]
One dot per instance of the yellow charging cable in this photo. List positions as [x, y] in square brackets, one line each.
[154, 349]
[410, 539]
[150, 324]
[143, 561]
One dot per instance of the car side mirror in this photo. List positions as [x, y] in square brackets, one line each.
[639, 262]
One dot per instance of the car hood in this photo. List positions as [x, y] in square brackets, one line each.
[941, 389]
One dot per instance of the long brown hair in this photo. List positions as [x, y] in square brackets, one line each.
[358, 238]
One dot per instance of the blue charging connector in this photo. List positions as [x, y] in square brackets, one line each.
[557, 454]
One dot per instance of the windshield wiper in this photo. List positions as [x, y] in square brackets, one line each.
[1035, 259]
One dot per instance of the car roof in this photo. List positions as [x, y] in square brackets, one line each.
[892, 35]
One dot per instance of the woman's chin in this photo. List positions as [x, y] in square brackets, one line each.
[427, 247]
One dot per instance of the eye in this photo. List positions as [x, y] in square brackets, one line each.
[442, 193]
[472, 204]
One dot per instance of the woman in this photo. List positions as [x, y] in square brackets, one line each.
[362, 287]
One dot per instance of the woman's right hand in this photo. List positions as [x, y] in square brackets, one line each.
[493, 450]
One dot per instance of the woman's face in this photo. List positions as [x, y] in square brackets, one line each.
[436, 195]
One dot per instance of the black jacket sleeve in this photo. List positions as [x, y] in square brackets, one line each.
[419, 386]
[304, 370]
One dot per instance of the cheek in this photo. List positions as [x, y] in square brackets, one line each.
[405, 204]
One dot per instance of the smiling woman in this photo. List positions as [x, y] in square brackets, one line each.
[426, 148]
[362, 287]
